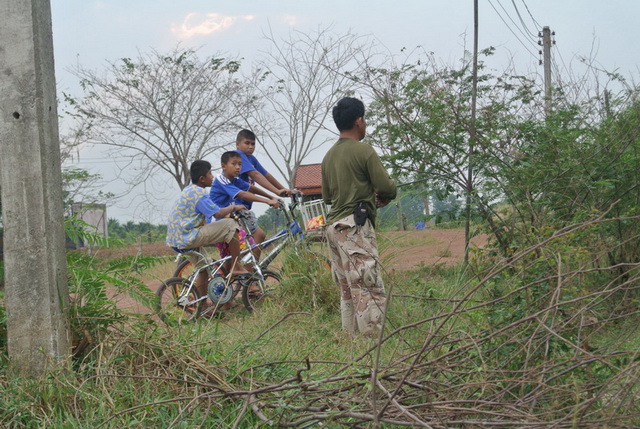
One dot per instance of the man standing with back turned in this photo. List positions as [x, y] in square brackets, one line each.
[354, 182]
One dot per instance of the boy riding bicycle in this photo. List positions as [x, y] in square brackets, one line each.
[228, 189]
[193, 223]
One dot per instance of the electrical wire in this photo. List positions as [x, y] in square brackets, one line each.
[524, 25]
[532, 18]
[564, 64]
[535, 55]
[524, 32]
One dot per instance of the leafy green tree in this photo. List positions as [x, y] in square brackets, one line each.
[421, 122]
[576, 165]
[271, 221]
[132, 231]
[446, 207]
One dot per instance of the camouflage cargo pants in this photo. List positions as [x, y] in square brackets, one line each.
[356, 268]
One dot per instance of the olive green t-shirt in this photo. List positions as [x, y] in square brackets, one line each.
[352, 172]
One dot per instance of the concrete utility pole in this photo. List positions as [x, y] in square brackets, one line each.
[546, 62]
[35, 265]
[473, 135]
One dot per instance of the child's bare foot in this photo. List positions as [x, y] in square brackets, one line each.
[239, 270]
[235, 269]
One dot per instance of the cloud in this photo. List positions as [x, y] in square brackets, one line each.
[197, 24]
[291, 20]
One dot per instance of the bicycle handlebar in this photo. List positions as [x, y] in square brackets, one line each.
[296, 198]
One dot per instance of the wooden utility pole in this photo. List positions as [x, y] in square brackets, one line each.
[546, 62]
[35, 265]
[473, 135]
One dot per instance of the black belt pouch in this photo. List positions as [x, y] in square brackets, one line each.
[361, 213]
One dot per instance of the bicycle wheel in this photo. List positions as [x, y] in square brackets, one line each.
[184, 269]
[177, 303]
[254, 293]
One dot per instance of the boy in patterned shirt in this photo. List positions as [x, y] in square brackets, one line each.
[193, 223]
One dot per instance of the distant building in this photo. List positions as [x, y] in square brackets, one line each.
[308, 179]
[94, 215]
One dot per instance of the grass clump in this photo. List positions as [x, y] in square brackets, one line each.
[502, 345]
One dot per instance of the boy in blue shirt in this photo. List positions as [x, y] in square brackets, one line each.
[229, 189]
[191, 224]
[252, 171]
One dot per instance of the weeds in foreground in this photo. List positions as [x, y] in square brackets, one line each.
[516, 345]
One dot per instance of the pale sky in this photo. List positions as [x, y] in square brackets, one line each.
[91, 33]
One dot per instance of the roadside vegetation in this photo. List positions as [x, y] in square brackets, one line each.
[536, 329]
[542, 337]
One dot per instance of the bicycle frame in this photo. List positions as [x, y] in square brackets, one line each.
[212, 266]
[290, 234]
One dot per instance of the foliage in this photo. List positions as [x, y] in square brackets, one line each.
[307, 283]
[421, 121]
[93, 310]
[131, 231]
[93, 286]
[484, 346]
[271, 221]
[163, 110]
[530, 169]
[79, 184]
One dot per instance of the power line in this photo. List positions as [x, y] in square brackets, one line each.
[566, 68]
[524, 33]
[512, 32]
[524, 25]
[532, 18]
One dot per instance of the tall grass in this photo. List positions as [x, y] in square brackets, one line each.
[486, 345]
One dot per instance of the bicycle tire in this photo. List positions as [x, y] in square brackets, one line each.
[170, 310]
[252, 298]
[184, 269]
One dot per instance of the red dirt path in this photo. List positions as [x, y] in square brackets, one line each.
[404, 249]
[427, 247]
[401, 250]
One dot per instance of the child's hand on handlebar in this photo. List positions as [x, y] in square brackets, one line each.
[275, 203]
[285, 192]
[238, 207]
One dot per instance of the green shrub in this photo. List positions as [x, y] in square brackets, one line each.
[307, 283]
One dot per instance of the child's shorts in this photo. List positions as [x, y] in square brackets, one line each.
[245, 242]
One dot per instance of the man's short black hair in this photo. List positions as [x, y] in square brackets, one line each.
[228, 155]
[346, 112]
[245, 134]
[198, 169]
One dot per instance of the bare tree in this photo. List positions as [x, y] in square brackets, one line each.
[298, 80]
[161, 111]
